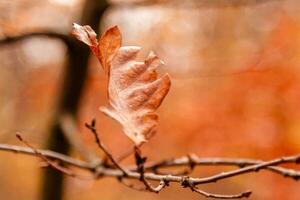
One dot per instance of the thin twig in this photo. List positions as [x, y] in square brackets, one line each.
[52, 164]
[132, 186]
[92, 128]
[186, 183]
[177, 162]
[69, 41]
[105, 171]
[195, 160]
[252, 168]
[189, 166]
[193, 4]
[210, 179]
[70, 130]
[49, 154]
[221, 196]
[140, 161]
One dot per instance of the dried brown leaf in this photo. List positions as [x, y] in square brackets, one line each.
[86, 35]
[134, 90]
[105, 48]
[109, 43]
[135, 93]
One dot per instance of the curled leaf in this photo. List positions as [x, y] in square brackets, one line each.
[105, 48]
[109, 44]
[134, 90]
[86, 35]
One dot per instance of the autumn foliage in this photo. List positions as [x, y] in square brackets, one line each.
[134, 90]
[235, 90]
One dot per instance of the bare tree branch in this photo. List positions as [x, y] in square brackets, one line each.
[132, 186]
[195, 3]
[210, 179]
[49, 154]
[193, 160]
[253, 168]
[70, 129]
[69, 41]
[190, 182]
[140, 161]
[157, 189]
[48, 161]
[221, 196]
[204, 161]
[92, 128]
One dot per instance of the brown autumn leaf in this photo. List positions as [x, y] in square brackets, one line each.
[105, 48]
[86, 35]
[134, 90]
[109, 43]
[135, 93]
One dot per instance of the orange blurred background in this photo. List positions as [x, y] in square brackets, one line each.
[235, 90]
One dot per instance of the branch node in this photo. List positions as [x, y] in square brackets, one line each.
[242, 165]
[246, 194]
[192, 163]
[185, 182]
[166, 182]
[297, 160]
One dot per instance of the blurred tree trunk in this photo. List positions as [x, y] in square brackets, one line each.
[74, 77]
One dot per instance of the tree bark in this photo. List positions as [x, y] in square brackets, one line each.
[74, 78]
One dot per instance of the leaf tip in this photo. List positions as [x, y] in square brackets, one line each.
[167, 80]
[75, 25]
[85, 34]
[115, 29]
